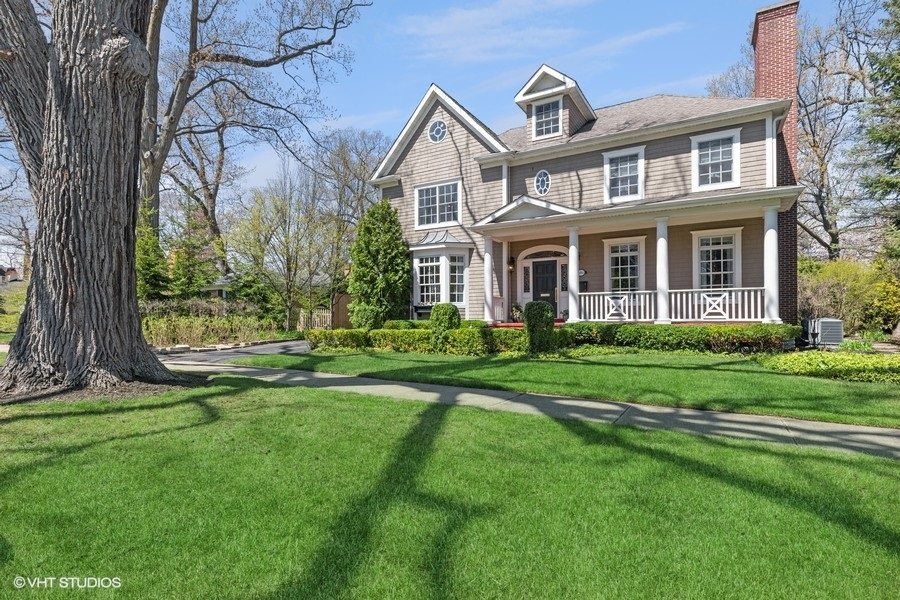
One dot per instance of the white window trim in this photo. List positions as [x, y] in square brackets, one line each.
[439, 224]
[639, 150]
[696, 140]
[607, 275]
[444, 270]
[738, 261]
[549, 183]
[534, 135]
[446, 130]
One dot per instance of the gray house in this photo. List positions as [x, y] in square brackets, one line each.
[664, 209]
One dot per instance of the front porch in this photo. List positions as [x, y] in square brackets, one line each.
[674, 267]
[685, 306]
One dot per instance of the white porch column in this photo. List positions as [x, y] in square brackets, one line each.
[662, 271]
[770, 265]
[574, 267]
[488, 279]
[506, 278]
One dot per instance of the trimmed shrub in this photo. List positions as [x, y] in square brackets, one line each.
[759, 337]
[664, 337]
[539, 319]
[399, 324]
[472, 324]
[444, 318]
[469, 341]
[562, 338]
[881, 368]
[353, 339]
[593, 333]
[365, 316]
[507, 340]
[401, 340]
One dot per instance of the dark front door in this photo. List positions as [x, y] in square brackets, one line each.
[545, 282]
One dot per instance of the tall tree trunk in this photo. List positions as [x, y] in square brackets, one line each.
[81, 325]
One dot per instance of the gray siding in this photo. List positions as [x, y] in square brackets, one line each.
[577, 181]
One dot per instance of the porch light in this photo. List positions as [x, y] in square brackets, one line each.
[511, 263]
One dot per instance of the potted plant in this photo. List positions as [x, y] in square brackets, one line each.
[516, 312]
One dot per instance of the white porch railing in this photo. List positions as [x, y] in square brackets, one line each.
[622, 306]
[499, 309]
[736, 304]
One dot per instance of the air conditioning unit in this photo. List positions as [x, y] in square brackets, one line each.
[827, 333]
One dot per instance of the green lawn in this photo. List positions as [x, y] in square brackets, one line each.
[250, 490]
[12, 300]
[713, 382]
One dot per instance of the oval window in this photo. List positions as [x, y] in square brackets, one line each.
[437, 131]
[542, 183]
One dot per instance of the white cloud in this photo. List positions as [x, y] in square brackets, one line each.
[502, 30]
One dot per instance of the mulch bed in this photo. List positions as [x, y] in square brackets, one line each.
[124, 391]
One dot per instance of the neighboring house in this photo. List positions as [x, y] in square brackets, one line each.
[664, 209]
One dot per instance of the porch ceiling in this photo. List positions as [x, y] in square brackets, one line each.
[679, 211]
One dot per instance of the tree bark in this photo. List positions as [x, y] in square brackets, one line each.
[81, 325]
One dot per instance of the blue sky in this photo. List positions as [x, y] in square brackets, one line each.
[482, 52]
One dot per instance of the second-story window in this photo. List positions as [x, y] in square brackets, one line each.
[437, 205]
[716, 160]
[624, 174]
[547, 119]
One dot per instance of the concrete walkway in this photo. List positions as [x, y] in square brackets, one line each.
[808, 434]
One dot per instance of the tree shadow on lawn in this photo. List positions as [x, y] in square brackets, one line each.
[745, 395]
[199, 398]
[349, 542]
[827, 506]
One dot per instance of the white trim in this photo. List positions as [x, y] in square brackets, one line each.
[696, 140]
[567, 86]
[543, 102]
[443, 256]
[695, 253]
[549, 182]
[652, 133]
[414, 126]
[438, 224]
[770, 151]
[522, 262]
[607, 275]
[639, 150]
[558, 208]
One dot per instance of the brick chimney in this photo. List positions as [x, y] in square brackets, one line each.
[775, 51]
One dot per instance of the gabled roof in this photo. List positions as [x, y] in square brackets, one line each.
[416, 121]
[526, 207]
[654, 112]
[548, 82]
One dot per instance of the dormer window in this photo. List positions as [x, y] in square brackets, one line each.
[547, 119]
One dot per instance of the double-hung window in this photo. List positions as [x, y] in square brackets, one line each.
[623, 171]
[717, 259]
[625, 264]
[429, 272]
[716, 160]
[440, 277]
[437, 205]
[547, 119]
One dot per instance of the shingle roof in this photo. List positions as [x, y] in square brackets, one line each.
[657, 110]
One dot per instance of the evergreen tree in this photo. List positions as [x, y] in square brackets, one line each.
[380, 277]
[150, 262]
[883, 131]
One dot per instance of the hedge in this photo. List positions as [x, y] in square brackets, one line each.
[757, 337]
[883, 368]
[338, 338]
[406, 324]
[202, 331]
[508, 340]
[469, 342]
[401, 340]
